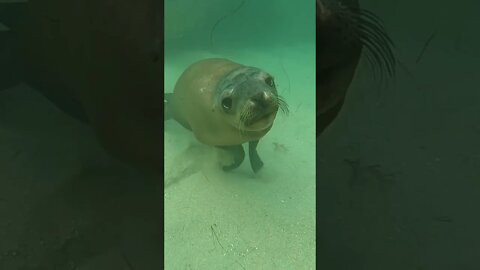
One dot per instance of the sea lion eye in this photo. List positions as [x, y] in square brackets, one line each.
[227, 103]
[270, 82]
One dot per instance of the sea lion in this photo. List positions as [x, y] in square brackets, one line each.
[344, 30]
[226, 104]
[97, 61]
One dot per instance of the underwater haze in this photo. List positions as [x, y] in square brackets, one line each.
[239, 220]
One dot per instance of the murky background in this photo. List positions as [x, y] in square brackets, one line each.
[399, 169]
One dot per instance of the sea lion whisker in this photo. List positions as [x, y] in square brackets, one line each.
[382, 40]
[245, 118]
[377, 56]
[369, 30]
[371, 63]
[384, 43]
[243, 115]
[368, 14]
[384, 65]
[376, 30]
[282, 105]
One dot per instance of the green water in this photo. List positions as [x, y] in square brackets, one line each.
[238, 220]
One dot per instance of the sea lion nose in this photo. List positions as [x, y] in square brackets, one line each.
[262, 99]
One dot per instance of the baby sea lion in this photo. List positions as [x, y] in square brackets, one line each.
[226, 104]
[345, 32]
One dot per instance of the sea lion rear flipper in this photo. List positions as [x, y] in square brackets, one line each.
[255, 160]
[238, 156]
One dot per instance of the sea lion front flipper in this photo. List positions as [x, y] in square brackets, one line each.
[238, 156]
[255, 160]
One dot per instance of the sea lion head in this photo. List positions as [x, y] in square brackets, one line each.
[345, 33]
[248, 99]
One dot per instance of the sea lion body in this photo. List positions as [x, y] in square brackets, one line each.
[225, 104]
[193, 101]
[98, 62]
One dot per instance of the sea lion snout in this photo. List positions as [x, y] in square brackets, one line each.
[260, 110]
[263, 100]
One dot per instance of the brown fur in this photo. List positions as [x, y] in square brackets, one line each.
[193, 100]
